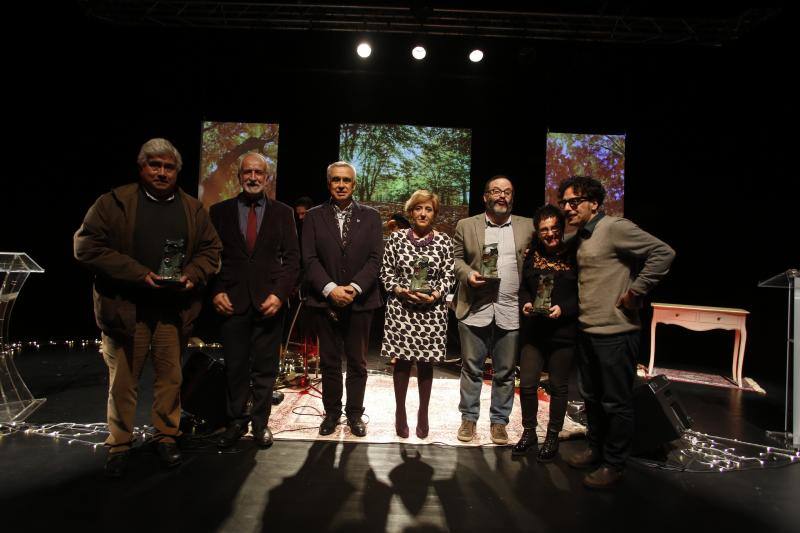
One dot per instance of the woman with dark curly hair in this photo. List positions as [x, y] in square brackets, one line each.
[548, 300]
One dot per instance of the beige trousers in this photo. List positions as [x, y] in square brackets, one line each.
[125, 361]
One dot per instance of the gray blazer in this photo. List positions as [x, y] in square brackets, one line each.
[468, 248]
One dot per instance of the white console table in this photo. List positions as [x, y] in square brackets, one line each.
[700, 318]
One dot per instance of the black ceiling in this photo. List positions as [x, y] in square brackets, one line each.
[628, 22]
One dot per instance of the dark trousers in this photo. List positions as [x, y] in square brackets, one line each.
[252, 354]
[606, 370]
[345, 338]
[532, 358]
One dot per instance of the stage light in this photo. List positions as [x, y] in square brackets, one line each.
[419, 52]
[364, 50]
[476, 55]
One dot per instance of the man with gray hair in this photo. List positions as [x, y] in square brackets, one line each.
[260, 265]
[125, 239]
[342, 249]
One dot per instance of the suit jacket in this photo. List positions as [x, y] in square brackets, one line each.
[104, 243]
[274, 264]
[467, 250]
[327, 260]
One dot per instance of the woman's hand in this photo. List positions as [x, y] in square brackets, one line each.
[527, 309]
[414, 297]
[555, 312]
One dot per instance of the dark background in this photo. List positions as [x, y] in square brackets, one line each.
[708, 144]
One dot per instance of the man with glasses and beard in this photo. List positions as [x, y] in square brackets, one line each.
[618, 264]
[487, 308]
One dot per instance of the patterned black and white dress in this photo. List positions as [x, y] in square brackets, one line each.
[416, 331]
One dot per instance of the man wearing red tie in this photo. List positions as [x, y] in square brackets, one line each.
[260, 265]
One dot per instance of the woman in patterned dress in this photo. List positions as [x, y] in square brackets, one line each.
[415, 328]
[547, 336]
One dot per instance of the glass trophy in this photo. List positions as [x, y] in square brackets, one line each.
[419, 279]
[543, 301]
[171, 262]
[489, 261]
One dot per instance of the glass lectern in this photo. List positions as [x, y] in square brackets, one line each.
[16, 401]
[790, 280]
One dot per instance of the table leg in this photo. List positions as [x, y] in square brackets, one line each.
[737, 342]
[652, 346]
[741, 356]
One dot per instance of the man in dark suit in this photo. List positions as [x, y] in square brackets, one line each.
[342, 248]
[260, 265]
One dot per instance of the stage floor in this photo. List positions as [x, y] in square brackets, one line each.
[343, 486]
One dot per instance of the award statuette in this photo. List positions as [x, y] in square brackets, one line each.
[489, 261]
[543, 302]
[419, 280]
[170, 268]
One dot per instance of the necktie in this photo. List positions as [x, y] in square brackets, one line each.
[252, 229]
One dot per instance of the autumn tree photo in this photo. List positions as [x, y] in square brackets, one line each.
[224, 143]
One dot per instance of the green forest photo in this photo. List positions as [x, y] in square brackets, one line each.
[393, 161]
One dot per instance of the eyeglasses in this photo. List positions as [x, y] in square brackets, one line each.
[157, 165]
[548, 231]
[497, 192]
[573, 202]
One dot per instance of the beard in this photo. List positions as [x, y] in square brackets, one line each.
[498, 209]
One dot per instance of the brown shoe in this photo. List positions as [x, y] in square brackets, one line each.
[499, 434]
[605, 477]
[585, 459]
[467, 431]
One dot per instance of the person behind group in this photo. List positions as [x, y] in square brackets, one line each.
[342, 247]
[618, 264]
[122, 241]
[260, 265]
[487, 309]
[415, 328]
[397, 221]
[547, 336]
[301, 207]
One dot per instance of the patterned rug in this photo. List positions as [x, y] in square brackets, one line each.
[713, 380]
[299, 415]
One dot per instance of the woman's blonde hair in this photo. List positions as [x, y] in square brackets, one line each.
[420, 196]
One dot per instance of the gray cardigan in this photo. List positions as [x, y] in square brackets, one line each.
[615, 255]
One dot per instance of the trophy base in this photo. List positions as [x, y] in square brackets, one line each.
[490, 277]
[541, 312]
[169, 282]
[422, 290]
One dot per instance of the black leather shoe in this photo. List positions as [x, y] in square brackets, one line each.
[169, 454]
[329, 424]
[117, 464]
[549, 448]
[232, 434]
[357, 426]
[262, 437]
[528, 442]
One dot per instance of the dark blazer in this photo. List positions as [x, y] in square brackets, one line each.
[271, 269]
[327, 260]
